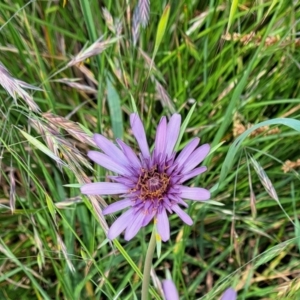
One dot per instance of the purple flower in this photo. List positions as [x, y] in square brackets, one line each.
[229, 294]
[171, 293]
[150, 184]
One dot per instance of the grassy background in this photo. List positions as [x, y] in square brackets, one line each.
[234, 67]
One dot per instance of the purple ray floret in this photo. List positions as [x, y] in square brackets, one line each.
[171, 293]
[150, 184]
[229, 294]
[169, 289]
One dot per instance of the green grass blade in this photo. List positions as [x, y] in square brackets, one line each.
[233, 9]
[35, 142]
[161, 29]
[184, 125]
[114, 104]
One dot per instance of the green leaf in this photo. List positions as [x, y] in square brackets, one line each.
[114, 104]
[233, 8]
[132, 101]
[51, 206]
[184, 126]
[73, 185]
[35, 142]
[161, 29]
[274, 251]
[212, 202]
[85, 129]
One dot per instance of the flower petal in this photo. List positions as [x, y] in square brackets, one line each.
[177, 199]
[229, 294]
[182, 215]
[196, 158]
[174, 179]
[186, 151]
[103, 188]
[108, 163]
[163, 226]
[160, 138]
[194, 193]
[139, 133]
[135, 226]
[172, 133]
[131, 156]
[110, 149]
[193, 173]
[116, 206]
[181, 202]
[148, 218]
[170, 291]
[120, 224]
[130, 182]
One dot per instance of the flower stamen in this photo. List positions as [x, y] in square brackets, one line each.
[152, 184]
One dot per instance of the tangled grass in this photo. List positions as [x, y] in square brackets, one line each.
[72, 68]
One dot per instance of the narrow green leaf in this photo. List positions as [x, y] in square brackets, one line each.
[274, 251]
[134, 108]
[233, 8]
[73, 185]
[85, 129]
[88, 18]
[184, 126]
[297, 232]
[161, 29]
[191, 47]
[274, 2]
[51, 206]
[35, 142]
[212, 202]
[114, 104]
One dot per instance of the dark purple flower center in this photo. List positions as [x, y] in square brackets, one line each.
[152, 184]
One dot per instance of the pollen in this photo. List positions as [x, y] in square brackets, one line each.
[152, 184]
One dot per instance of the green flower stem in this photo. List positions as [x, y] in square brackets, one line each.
[147, 265]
